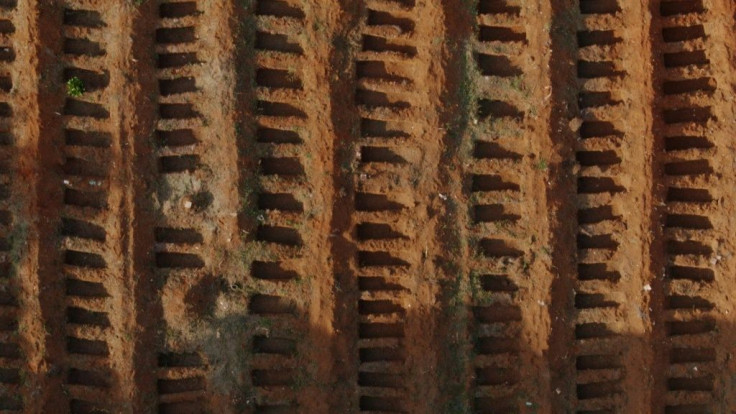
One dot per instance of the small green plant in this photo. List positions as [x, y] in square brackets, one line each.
[516, 83]
[542, 165]
[74, 87]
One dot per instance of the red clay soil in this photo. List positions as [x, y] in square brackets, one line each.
[367, 206]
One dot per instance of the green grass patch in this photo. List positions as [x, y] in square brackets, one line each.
[75, 87]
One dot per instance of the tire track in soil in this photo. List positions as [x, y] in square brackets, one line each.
[693, 158]
[19, 307]
[138, 124]
[610, 303]
[343, 248]
[49, 202]
[196, 205]
[454, 348]
[505, 171]
[562, 189]
[287, 190]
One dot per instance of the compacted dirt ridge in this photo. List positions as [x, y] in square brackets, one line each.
[367, 206]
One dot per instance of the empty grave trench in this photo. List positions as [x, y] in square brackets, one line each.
[97, 139]
[592, 330]
[273, 377]
[172, 260]
[176, 60]
[377, 231]
[277, 42]
[486, 182]
[687, 302]
[678, 7]
[694, 327]
[372, 128]
[497, 283]
[379, 354]
[496, 376]
[499, 248]
[172, 386]
[272, 271]
[88, 378]
[380, 258]
[381, 44]
[279, 109]
[377, 99]
[378, 307]
[87, 347]
[674, 87]
[80, 316]
[593, 300]
[178, 163]
[492, 150]
[79, 108]
[596, 214]
[277, 78]
[386, 71]
[271, 345]
[597, 37]
[598, 389]
[82, 288]
[279, 235]
[380, 380]
[497, 345]
[375, 202]
[381, 18]
[79, 47]
[278, 8]
[91, 79]
[278, 136]
[178, 10]
[378, 284]
[381, 404]
[176, 35]
[82, 229]
[683, 33]
[498, 7]
[497, 313]
[180, 407]
[180, 360]
[83, 18]
[596, 99]
[692, 195]
[501, 34]
[270, 305]
[690, 273]
[177, 85]
[680, 59]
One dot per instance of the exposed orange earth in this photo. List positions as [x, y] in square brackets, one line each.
[367, 206]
